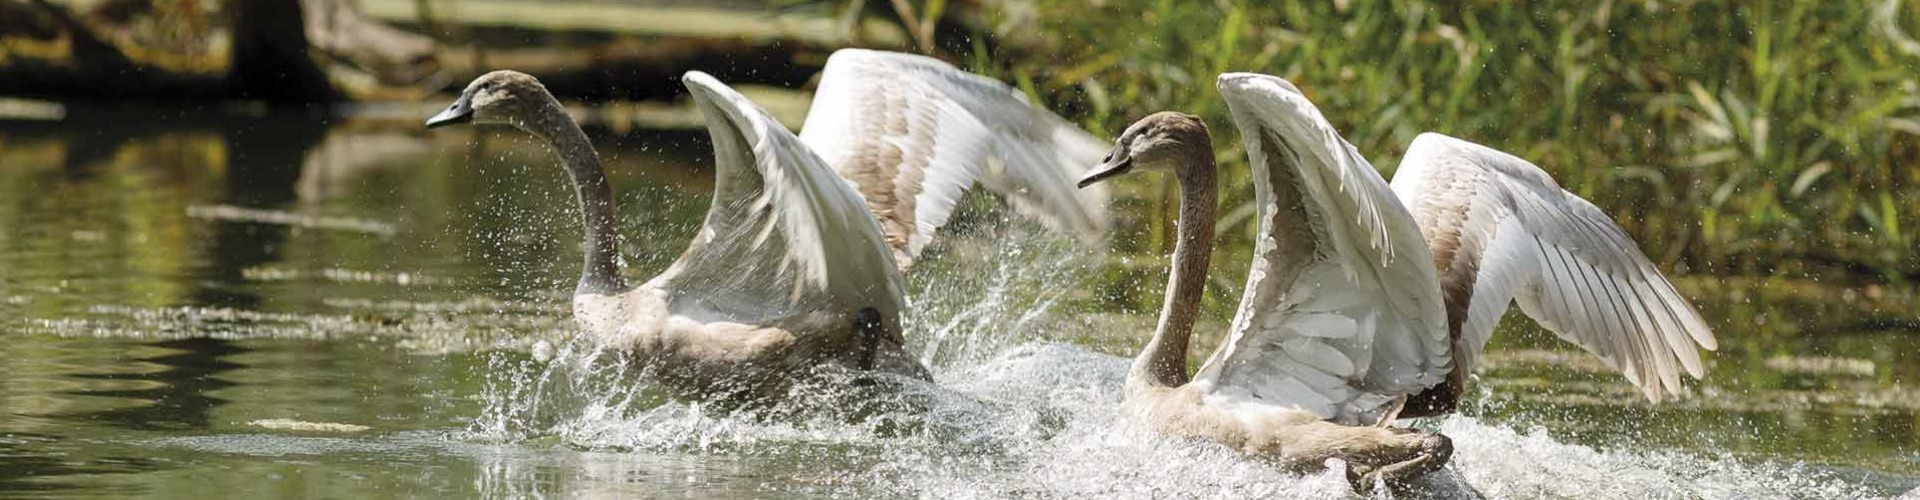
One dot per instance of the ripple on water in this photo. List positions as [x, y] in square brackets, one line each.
[428, 327]
[285, 218]
[339, 275]
[278, 445]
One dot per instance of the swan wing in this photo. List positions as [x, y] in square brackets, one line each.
[1342, 309]
[1504, 231]
[785, 235]
[912, 133]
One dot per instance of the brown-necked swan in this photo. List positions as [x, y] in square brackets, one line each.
[1348, 318]
[799, 261]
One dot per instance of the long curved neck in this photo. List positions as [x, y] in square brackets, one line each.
[601, 271]
[1164, 362]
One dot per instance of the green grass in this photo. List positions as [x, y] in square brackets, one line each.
[1730, 138]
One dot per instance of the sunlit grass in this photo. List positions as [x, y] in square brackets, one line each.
[1746, 138]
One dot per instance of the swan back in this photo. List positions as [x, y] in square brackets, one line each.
[1502, 230]
[913, 133]
[1342, 310]
[785, 236]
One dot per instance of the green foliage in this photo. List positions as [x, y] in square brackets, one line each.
[1771, 137]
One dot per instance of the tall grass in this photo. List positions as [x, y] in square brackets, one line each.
[1748, 138]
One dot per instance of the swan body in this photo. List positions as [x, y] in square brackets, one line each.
[798, 263]
[1217, 405]
[1360, 308]
[1496, 229]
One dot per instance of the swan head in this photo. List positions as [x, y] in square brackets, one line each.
[505, 97]
[1164, 142]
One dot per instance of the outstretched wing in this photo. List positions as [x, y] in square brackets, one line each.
[913, 133]
[1342, 309]
[785, 235]
[1501, 230]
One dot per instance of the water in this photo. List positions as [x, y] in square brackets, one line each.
[270, 305]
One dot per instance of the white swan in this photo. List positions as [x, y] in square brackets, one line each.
[1347, 314]
[799, 261]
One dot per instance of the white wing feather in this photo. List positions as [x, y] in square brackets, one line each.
[1342, 309]
[1503, 230]
[913, 132]
[785, 235]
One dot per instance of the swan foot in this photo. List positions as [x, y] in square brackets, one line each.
[1392, 412]
[869, 331]
[1433, 453]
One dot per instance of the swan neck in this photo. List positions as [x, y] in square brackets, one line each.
[1164, 362]
[600, 272]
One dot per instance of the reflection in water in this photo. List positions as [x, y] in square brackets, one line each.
[137, 340]
[178, 398]
[85, 153]
[265, 156]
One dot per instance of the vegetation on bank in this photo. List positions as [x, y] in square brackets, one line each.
[1730, 138]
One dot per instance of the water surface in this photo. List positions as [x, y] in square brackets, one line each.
[284, 304]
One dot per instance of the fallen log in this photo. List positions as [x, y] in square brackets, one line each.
[283, 51]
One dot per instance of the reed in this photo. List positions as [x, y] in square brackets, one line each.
[1730, 138]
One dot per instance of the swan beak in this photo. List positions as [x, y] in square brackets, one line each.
[1116, 163]
[460, 112]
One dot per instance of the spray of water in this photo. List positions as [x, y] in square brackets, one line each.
[1014, 414]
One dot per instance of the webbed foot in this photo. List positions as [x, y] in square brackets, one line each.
[1430, 454]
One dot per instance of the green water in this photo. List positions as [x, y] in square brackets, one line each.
[285, 305]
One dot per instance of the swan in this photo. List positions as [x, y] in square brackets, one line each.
[799, 262]
[1359, 309]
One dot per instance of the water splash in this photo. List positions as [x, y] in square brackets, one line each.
[591, 397]
[1506, 463]
[527, 397]
[1014, 415]
[980, 294]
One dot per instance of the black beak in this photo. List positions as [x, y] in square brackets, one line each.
[1116, 163]
[460, 112]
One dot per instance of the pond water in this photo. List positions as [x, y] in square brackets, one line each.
[290, 305]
